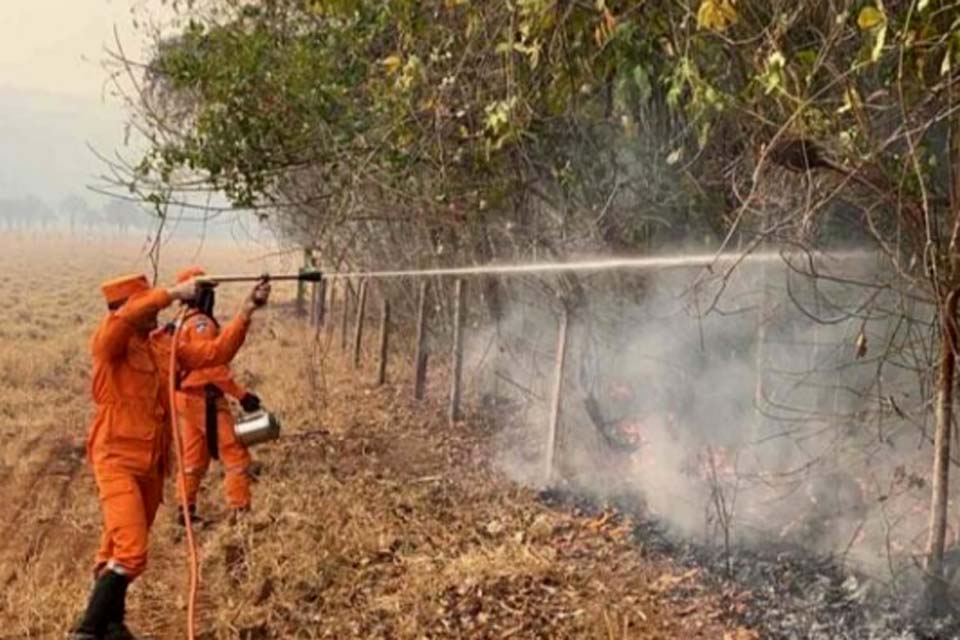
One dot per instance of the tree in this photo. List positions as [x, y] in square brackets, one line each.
[38, 212]
[20, 214]
[76, 210]
[387, 109]
[122, 214]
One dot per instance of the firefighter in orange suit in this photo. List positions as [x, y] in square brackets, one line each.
[129, 440]
[205, 421]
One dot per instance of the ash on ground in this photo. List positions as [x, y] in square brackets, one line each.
[784, 592]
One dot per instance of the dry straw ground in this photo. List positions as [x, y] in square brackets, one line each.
[372, 518]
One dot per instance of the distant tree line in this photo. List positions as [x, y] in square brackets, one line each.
[73, 213]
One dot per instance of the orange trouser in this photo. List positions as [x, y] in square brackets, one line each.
[196, 457]
[129, 503]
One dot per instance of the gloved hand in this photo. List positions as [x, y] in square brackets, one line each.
[250, 403]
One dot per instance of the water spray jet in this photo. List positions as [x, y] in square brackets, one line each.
[653, 263]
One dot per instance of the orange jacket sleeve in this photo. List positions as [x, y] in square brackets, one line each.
[111, 339]
[199, 354]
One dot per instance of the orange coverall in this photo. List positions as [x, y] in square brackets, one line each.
[129, 439]
[199, 329]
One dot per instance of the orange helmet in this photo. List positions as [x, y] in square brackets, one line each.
[190, 272]
[118, 290]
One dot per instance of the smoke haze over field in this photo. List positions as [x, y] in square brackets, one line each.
[750, 410]
[45, 143]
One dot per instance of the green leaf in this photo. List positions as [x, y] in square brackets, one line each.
[879, 40]
[711, 97]
[851, 101]
[870, 17]
[392, 62]
[772, 77]
[703, 134]
[674, 94]
[642, 80]
[805, 57]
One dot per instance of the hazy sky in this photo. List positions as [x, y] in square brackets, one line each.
[53, 104]
[57, 45]
[54, 99]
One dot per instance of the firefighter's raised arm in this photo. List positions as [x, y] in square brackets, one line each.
[222, 349]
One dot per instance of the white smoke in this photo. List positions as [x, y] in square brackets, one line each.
[725, 399]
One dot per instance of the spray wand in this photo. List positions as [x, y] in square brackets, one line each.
[306, 276]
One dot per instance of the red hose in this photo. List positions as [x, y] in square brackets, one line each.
[182, 487]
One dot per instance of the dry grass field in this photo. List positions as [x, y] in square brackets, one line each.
[372, 518]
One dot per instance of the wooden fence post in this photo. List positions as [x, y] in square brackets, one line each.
[457, 368]
[347, 296]
[331, 309]
[555, 402]
[308, 264]
[312, 314]
[321, 316]
[384, 341]
[358, 333]
[420, 381]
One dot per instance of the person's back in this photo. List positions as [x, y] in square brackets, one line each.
[127, 389]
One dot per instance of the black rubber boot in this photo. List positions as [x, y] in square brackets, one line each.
[106, 605]
[116, 630]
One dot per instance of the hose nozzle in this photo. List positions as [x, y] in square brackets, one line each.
[311, 275]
